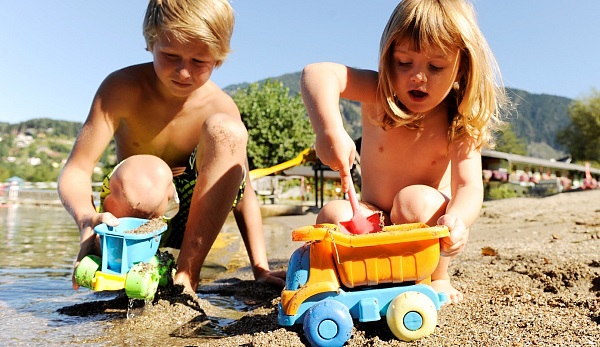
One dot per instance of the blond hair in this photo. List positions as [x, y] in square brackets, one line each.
[210, 21]
[445, 24]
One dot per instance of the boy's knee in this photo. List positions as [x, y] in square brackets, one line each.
[140, 186]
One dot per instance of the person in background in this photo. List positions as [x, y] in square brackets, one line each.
[426, 114]
[180, 144]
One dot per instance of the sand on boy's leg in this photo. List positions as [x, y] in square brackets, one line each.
[440, 281]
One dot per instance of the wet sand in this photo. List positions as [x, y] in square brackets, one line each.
[530, 275]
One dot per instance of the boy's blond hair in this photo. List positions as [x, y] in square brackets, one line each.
[427, 24]
[210, 21]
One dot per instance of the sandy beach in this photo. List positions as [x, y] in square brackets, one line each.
[530, 275]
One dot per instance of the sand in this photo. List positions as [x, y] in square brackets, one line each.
[530, 275]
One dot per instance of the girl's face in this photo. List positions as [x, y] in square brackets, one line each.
[182, 67]
[422, 80]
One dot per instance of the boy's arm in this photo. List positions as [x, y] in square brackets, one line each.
[249, 220]
[75, 180]
[467, 196]
[322, 85]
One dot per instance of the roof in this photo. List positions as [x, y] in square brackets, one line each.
[516, 158]
[15, 179]
[307, 171]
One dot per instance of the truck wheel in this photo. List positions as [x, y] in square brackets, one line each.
[411, 315]
[86, 270]
[142, 281]
[328, 324]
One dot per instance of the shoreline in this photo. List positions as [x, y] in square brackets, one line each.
[530, 274]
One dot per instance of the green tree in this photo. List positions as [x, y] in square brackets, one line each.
[508, 142]
[277, 123]
[582, 135]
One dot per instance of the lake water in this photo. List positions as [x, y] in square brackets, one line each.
[37, 249]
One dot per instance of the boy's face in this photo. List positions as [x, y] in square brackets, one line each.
[422, 80]
[182, 67]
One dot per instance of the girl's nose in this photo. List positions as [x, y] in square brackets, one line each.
[419, 76]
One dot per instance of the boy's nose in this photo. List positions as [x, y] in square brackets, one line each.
[183, 70]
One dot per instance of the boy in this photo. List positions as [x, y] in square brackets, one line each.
[178, 136]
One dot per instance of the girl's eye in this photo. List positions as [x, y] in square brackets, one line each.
[435, 68]
[403, 64]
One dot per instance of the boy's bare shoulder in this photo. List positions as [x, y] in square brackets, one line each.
[128, 81]
[131, 75]
[217, 100]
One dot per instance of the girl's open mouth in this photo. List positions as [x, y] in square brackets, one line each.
[417, 95]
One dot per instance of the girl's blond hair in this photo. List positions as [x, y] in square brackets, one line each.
[427, 24]
[210, 21]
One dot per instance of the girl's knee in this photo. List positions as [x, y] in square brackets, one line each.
[418, 203]
[334, 212]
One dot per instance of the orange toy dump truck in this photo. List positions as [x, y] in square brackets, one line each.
[335, 278]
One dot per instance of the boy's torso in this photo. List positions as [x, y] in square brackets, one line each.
[399, 157]
[149, 123]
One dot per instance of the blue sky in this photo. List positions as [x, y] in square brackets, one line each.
[54, 54]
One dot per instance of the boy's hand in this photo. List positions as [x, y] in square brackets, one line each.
[88, 242]
[275, 278]
[459, 234]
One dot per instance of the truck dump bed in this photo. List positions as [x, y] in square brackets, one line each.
[399, 253]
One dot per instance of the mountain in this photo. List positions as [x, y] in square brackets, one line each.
[535, 118]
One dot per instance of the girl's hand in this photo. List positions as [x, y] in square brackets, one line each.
[336, 149]
[459, 234]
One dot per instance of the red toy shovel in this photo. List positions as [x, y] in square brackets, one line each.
[359, 224]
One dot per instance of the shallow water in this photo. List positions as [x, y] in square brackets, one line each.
[36, 256]
[37, 250]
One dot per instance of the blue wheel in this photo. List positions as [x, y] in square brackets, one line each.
[328, 324]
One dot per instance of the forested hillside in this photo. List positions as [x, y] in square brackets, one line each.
[537, 119]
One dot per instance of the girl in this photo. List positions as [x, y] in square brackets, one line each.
[426, 113]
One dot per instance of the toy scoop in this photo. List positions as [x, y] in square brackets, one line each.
[359, 224]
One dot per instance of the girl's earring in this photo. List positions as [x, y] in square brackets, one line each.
[456, 86]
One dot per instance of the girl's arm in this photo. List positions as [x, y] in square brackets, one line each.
[467, 196]
[322, 85]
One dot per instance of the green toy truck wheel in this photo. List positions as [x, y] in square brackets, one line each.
[142, 281]
[84, 274]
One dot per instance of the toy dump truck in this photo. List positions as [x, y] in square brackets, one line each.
[129, 261]
[335, 278]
